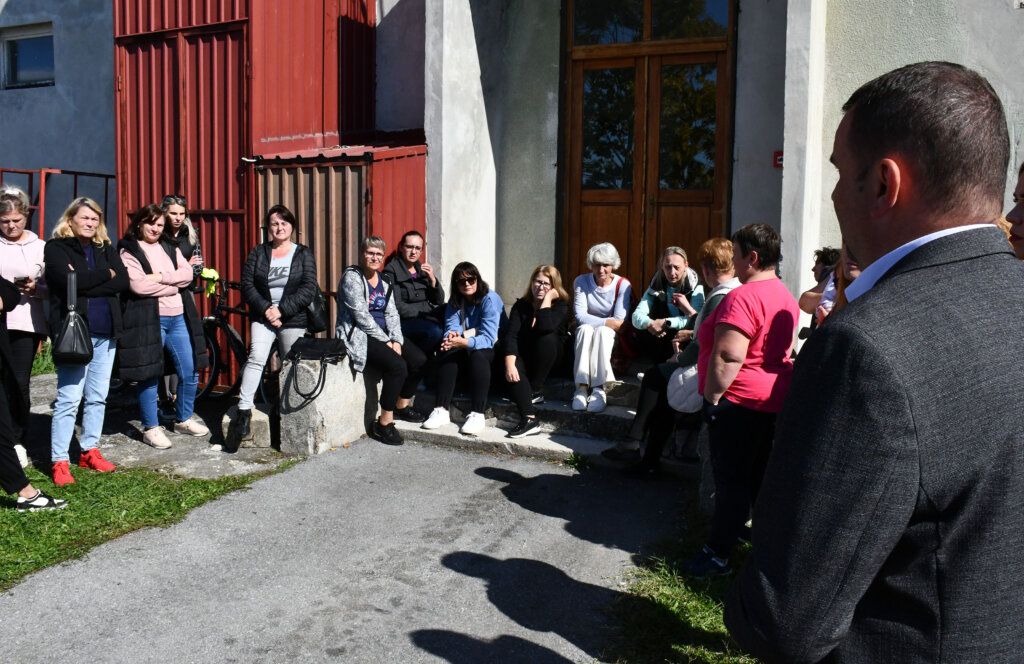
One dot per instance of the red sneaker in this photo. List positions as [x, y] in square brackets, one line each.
[62, 474]
[93, 459]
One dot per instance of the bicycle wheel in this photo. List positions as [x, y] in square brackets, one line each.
[229, 343]
[208, 376]
[270, 383]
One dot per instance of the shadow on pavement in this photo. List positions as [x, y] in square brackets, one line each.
[463, 649]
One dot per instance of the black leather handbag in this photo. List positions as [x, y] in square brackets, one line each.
[325, 351]
[316, 313]
[72, 345]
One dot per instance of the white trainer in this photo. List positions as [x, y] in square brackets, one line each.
[598, 400]
[474, 424]
[438, 417]
[579, 399]
[156, 437]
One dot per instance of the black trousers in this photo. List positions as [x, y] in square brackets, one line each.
[654, 417]
[538, 355]
[740, 441]
[12, 477]
[478, 362]
[23, 352]
[394, 369]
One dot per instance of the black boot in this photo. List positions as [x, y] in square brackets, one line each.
[242, 422]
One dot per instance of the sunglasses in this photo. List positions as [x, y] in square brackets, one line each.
[465, 281]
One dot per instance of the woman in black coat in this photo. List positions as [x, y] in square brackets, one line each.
[278, 284]
[79, 244]
[534, 342]
[12, 477]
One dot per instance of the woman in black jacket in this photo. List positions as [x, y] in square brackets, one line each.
[278, 284]
[160, 312]
[12, 477]
[535, 342]
[79, 244]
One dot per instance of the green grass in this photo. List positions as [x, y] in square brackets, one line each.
[580, 462]
[101, 506]
[669, 618]
[42, 363]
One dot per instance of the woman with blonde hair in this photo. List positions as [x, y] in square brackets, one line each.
[534, 342]
[21, 263]
[79, 244]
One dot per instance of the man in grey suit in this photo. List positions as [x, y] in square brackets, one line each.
[890, 523]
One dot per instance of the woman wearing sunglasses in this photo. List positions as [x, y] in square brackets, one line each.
[472, 319]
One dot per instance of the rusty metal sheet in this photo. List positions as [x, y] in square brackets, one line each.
[139, 17]
[398, 200]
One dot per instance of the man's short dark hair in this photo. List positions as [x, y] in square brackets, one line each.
[763, 239]
[826, 256]
[947, 122]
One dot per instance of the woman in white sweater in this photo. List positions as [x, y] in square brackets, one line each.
[601, 304]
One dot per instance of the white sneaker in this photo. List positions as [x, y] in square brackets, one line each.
[598, 400]
[156, 437]
[579, 400]
[474, 424]
[438, 417]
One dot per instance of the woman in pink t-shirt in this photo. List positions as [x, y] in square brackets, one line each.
[744, 371]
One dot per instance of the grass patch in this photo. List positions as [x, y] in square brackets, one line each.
[578, 461]
[42, 363]
[669, 618]
[101, 506]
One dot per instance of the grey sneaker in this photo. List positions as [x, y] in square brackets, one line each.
[192, 427]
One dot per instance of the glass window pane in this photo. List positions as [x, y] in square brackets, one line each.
[609, 104]
[682, 19]
[30, 61]
[686, 154]
[607, 21]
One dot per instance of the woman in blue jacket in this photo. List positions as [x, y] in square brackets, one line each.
[472, 318]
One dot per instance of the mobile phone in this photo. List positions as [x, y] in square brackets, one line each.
[21, 281]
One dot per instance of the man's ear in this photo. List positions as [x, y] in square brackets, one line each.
[754, 258]
[886, 178]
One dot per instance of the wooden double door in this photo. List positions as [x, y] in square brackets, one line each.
[647, 142]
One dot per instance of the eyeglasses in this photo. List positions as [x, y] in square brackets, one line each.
[466, 281]
[541, 284]
[412, 247]
[374, 254]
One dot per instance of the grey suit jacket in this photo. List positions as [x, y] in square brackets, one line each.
[890, 524]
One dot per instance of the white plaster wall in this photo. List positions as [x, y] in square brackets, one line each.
[460, 160]
[69, 125]
[865, 39]
[400, 64]
[759, 106]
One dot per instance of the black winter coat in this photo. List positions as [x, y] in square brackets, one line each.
[11, 297]
[521, 329]
[298, 292]
[413, 296]
[58, 254]
[187, 248]
[140, 353]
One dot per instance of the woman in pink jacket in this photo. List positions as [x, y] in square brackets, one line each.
[21, 262]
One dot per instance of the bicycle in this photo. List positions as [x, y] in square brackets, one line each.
[224, 342]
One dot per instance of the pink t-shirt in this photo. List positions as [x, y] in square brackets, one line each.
[767, 313]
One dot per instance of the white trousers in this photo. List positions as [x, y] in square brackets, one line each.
[593, 362]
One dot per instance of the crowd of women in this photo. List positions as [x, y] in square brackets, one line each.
[732, 343]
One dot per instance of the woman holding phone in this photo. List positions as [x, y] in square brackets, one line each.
[21, 263]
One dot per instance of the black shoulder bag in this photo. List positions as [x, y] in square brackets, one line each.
[326, 351]
[316, 313]
[72, 345]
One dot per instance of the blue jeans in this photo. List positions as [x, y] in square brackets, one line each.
[423, 332]
[175, 338]
[73, 382]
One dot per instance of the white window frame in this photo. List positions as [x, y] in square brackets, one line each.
[19, 33]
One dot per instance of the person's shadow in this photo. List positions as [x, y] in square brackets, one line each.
[463, 649]
[599, 505]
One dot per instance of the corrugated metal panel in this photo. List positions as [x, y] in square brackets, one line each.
[136, 17]
[327, 200]
[357, 77]
[294, 75]
[398, 200]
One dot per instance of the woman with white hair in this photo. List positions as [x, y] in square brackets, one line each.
[601, 304]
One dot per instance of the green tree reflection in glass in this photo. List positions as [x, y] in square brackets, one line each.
[608, 110]
[686, 154]
[607, 21]
[683, 19]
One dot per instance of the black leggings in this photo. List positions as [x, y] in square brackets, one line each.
[23, 352]
[538, 356]
[12, 477]
[394, 369]
[479, 371]
[740, 441]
